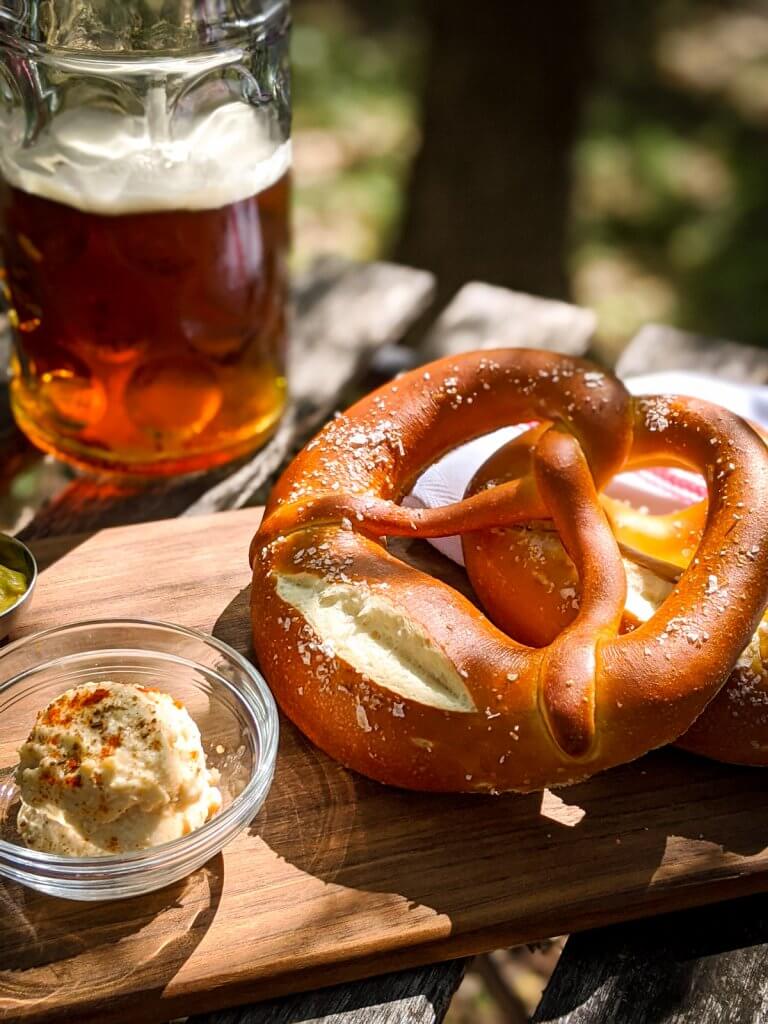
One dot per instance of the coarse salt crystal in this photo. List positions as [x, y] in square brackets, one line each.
[362, 718]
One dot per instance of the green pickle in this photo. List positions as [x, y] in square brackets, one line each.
[12, 585]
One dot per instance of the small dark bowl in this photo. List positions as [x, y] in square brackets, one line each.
[16, 555]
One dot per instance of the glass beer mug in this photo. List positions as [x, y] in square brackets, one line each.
[144, 207]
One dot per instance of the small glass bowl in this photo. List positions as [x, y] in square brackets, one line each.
[17, 556]
[224, 694]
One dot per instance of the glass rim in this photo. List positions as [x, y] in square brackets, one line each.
[259, 703]
[229, 33]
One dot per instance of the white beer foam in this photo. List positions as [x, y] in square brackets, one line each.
[103, 162]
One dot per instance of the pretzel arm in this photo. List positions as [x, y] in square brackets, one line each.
[513, 502]
[567, 687]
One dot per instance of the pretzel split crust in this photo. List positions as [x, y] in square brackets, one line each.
[403, 679]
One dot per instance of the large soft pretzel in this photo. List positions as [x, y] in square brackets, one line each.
[403, 679]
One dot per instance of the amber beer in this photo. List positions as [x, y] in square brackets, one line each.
[152, 342]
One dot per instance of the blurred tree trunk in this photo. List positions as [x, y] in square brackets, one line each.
[490, 191]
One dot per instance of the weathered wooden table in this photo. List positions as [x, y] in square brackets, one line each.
[702, 965]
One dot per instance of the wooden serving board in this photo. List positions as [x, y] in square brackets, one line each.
[339, 877]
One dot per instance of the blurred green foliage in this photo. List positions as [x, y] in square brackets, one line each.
[670, 176]
[671, 173]
[356, 122]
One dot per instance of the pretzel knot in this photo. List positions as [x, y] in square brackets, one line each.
[401, 677]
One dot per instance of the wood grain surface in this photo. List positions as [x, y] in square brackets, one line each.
[420, 995]
[339, 878]
[485, 316]
[657, 347]
[679, 968]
